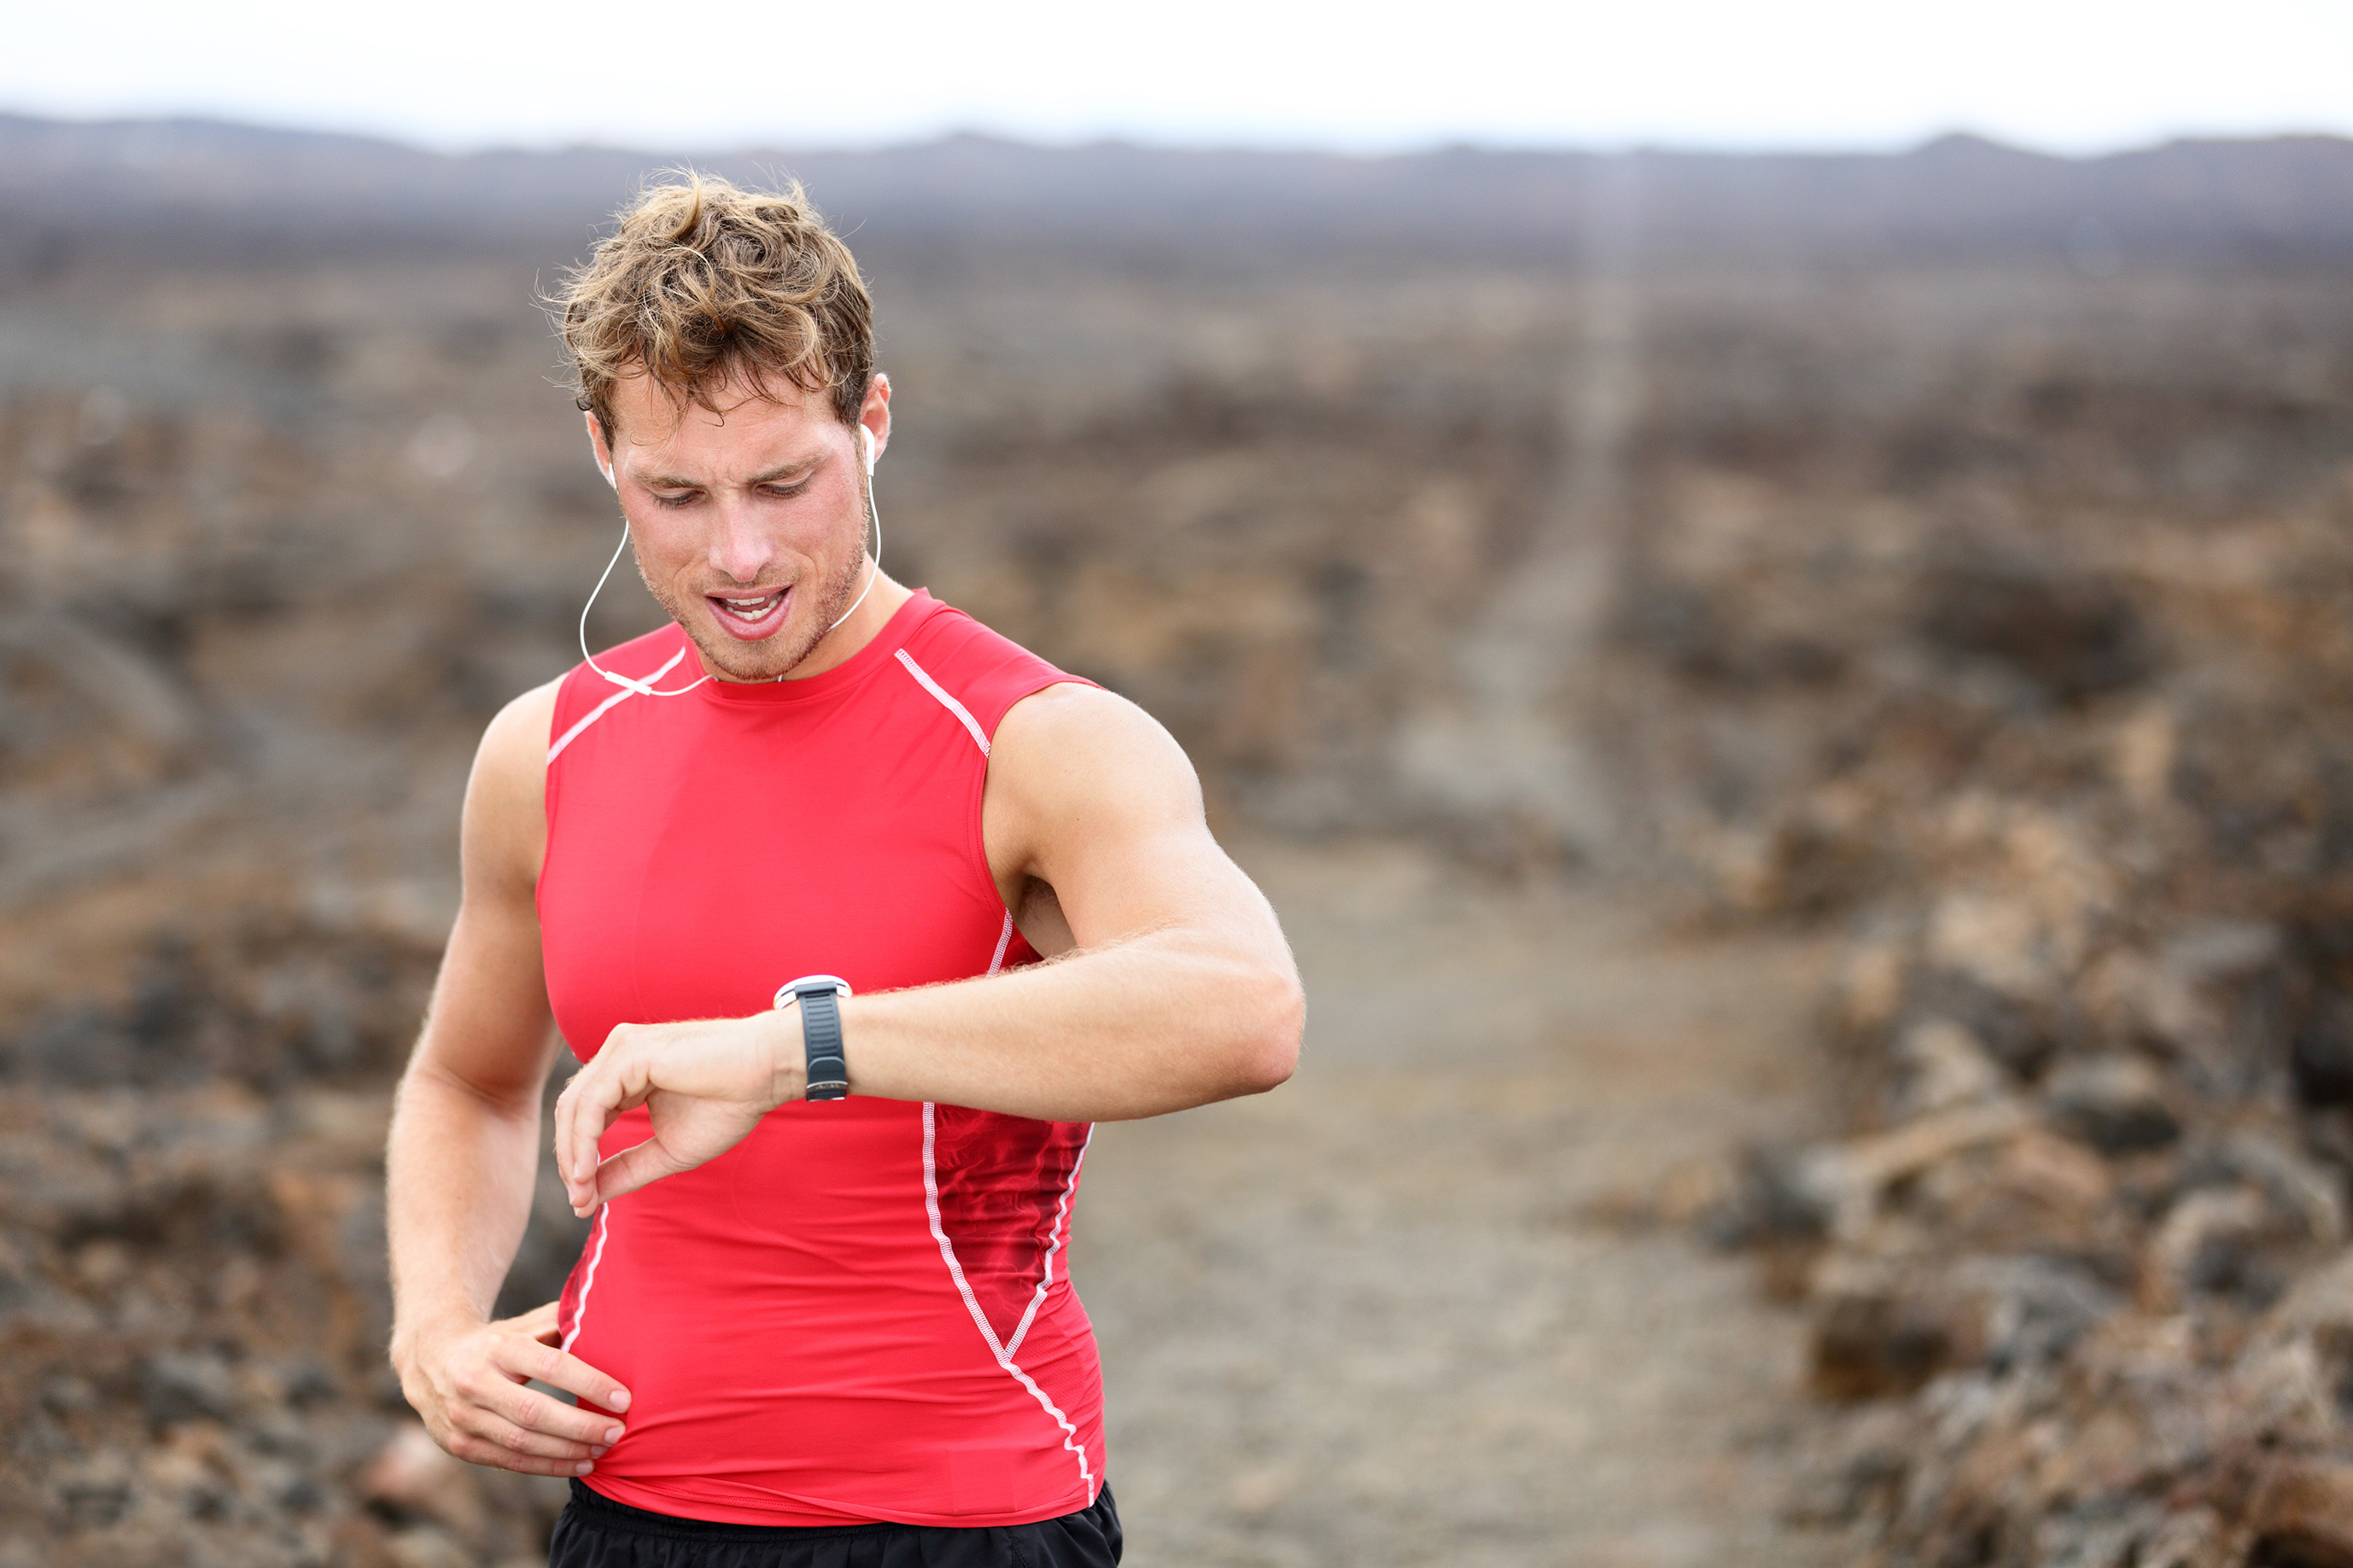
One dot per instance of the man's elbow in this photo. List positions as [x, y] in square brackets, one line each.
[1270, 1048]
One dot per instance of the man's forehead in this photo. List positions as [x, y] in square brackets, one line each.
[652, 414]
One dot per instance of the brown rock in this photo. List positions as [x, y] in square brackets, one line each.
[2303, 1513]
[1848, 1179]
[2233, 1242]
[359, 1541]
[1946, 1065]
[2284, 1394]
[412, 1475]
[2038, 1193]
[2117, 1104]
[2320, 1306]
[2194, 1538]
[1870, 1343]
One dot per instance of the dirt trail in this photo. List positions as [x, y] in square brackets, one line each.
[1363, 1320]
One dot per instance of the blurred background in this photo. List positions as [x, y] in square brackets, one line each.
[1769, 597]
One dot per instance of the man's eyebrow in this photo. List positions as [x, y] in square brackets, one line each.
[784, 470]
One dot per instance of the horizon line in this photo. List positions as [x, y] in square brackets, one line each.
[1131, 140]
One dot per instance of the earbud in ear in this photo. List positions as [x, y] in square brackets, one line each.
[866, 445]
[610, 480]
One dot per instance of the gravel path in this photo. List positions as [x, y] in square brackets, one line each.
[1364, 1320]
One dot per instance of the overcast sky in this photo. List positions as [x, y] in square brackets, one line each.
[2083, 76]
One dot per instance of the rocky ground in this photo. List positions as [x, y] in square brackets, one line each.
[2043, 706]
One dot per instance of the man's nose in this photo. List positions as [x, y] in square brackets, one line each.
[740, 549]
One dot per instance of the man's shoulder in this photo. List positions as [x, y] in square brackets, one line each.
[983, 669]
[517, 733]
[1078, 760]
[949, 635]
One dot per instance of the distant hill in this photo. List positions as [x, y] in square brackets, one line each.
[196, 189]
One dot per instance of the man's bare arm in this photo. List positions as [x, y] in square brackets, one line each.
[1180, 990]
[464, 1146]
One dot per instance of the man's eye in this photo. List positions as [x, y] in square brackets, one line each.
[676, 500]
[786, 492]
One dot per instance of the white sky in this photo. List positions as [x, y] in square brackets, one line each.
[2073, 76]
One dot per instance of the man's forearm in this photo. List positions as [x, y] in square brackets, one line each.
[1180, 1013]
[460, 1171]
[1157, 1023]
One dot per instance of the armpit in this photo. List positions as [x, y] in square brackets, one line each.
[1038, 917]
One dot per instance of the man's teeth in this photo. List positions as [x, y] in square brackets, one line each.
[751, 609]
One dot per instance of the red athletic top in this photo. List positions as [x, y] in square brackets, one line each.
[860, 1312]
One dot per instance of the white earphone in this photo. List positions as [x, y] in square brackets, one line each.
[646, 688]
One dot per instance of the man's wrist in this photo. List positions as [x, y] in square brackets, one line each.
[412, 1335]
[817, 999]
[787, 1056]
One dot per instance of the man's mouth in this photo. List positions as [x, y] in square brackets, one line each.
[751, 617]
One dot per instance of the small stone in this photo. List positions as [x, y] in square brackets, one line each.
[1846, 1180]
[2117, 1104]
[1868, 1344]
[2320, 1306]
[2291, 1181]
[188, 1386]
[411, 1474]
[2097, 1537]
[67, 1395]
[2039, 1192]
[1863, 1473]
[2041, 1308]
[2226, 1241]
[2303, 1513]
[2284, 1394]
[2321, 1055]
[1945, 1065]
[2194, 1538]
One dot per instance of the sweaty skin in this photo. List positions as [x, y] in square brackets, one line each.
[1170, 984]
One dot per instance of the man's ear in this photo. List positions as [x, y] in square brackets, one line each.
[604, 453]
[874, 418]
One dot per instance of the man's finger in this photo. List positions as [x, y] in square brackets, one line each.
[500, 1443]
[563, 1431]
[568, 1106]
[571, 1123]
[630, 1169]
[595, 1096]
[540, 1323]
[494, 1427]
[561, 1369]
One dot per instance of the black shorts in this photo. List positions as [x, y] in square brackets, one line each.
[595, 1532]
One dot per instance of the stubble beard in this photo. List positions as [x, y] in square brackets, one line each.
[780, 655]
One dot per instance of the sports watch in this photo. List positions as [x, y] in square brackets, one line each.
[828, 1073]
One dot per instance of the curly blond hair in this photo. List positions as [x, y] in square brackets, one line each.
[701, 283]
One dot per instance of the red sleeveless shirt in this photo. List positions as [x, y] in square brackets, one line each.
[861, 1311]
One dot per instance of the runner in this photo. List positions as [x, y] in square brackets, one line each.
[860, 915]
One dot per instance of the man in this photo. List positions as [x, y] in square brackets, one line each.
[860, 916]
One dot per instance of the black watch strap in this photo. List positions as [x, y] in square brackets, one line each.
[818, 994]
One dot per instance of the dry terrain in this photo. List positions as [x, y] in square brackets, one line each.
[1391, 1314]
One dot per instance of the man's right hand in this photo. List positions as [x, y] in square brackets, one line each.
[468, 1383]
